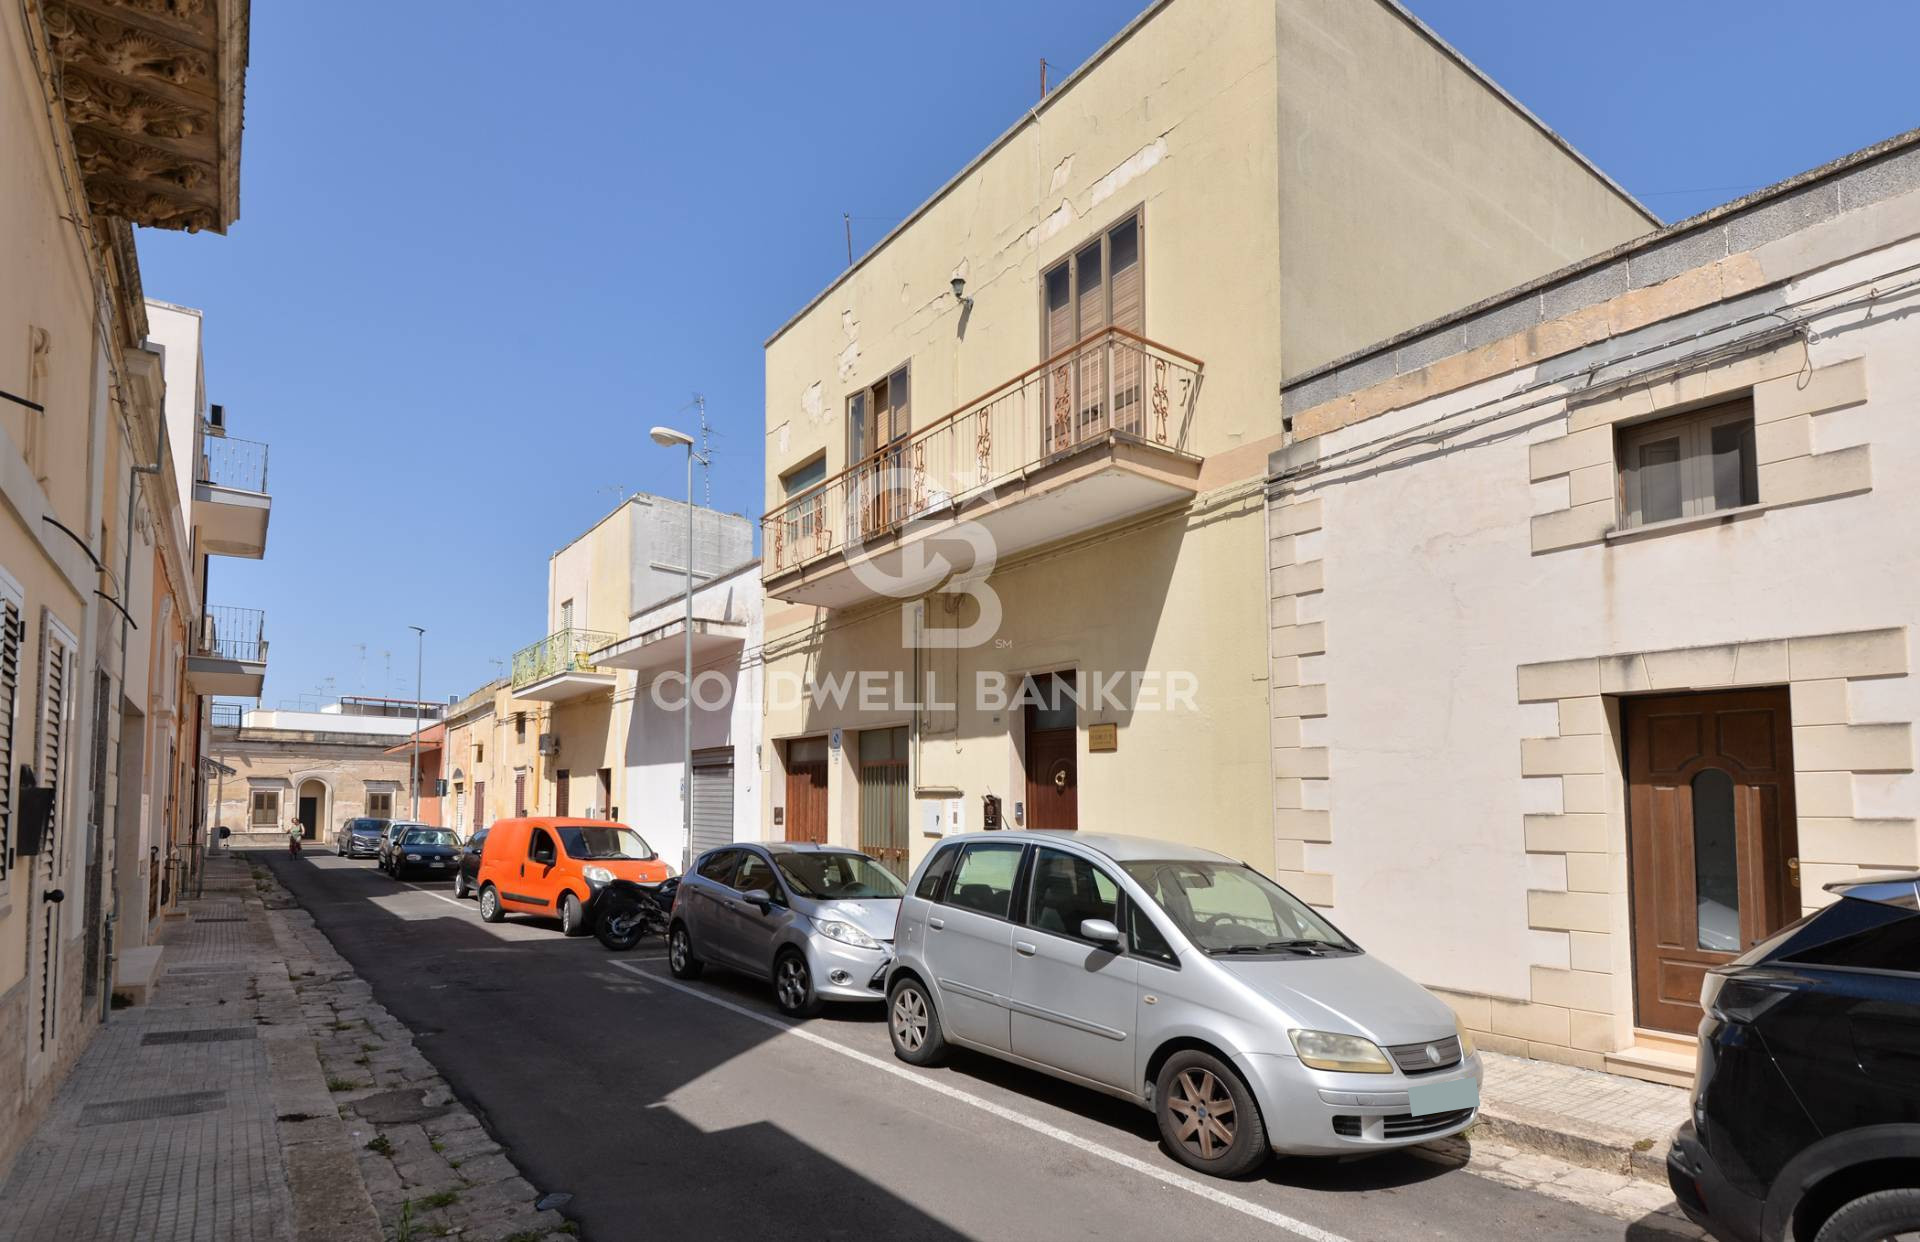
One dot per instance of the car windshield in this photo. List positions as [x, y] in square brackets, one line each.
[609, 842]
[1226, 907]
[430, 836]
[367, 825]
[836, 877]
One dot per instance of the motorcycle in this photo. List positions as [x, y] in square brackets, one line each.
[629, 912]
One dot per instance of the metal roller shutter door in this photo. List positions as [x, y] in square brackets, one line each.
[712, 802]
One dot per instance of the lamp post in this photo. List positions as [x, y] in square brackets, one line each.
[419, 666]
[667, 437]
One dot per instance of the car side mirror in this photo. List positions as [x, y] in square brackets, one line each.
[1101, 931]
[759, 897]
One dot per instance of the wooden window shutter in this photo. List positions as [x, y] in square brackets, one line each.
[13, 632]
[1123, 264]
[56, 668]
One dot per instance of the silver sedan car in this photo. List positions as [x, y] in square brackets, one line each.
[815, 919]
[1181, 980]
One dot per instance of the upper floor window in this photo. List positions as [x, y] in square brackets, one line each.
[1098, 387]
[796, 484]
[566, 615]
[878, 421]
[1689, 465]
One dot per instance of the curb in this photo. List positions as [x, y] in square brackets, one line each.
[1643, 1157]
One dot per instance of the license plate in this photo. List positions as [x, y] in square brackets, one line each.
[437, 863]
[1424, 1098]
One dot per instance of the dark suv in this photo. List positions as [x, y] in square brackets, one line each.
[1806, 1105]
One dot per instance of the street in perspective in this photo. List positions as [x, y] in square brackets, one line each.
[1240, 620]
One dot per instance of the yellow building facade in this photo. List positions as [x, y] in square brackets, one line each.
[1020, 445]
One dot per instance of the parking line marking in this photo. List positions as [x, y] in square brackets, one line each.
[452, 901]
[1300, 1228]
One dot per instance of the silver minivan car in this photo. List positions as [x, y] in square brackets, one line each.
[1179, 979]
[817, 920]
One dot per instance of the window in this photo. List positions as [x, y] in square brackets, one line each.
[566, 614]
[379, 804]
[1690, 465]
[984, 879]
[1145, 939]
[540, 847]
[878, 423]
[1066, 891]
[1099, 385]
[936, 874]
[561, 782]
[718, 866]
[755, 873]
[479, 753]
[266, 809]
[519, 726]
[57, 649]
[519, 795]
[806, 520]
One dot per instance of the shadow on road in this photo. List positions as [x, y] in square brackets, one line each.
[575, 1082]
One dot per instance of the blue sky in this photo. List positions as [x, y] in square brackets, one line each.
[480, 254]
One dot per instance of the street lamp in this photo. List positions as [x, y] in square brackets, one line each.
[667, 437]
[419, 665]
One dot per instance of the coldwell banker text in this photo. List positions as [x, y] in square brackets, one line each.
[1131, 691]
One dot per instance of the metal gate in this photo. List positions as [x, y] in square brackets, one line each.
[883, 798]
[712, 799]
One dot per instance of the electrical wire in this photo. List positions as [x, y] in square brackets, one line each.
[1431, 432]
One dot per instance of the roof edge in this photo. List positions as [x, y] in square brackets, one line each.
[1705, 219]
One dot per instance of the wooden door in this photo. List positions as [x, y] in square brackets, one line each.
[807, 790]
[1053, 766]
[562, 786]
[309, 815]
[1712, 840]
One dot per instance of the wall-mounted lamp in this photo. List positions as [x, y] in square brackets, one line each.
[960, 291]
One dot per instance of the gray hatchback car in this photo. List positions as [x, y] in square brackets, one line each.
[815, 919]
[1181, 980]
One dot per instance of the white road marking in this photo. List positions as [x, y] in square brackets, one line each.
[1300, 1228]
[452, 901]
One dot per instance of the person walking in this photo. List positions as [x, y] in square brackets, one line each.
[295, 831]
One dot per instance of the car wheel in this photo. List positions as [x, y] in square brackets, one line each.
[680, 958]
[460, 885]
[1871, 1218]
[490, 911]
[573, 916]
[914, 1024]
[793, 985]
[1208, 1118]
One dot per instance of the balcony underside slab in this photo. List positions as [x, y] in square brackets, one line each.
[232, 522]
[235, 678]
[564, 686]
[1077, 493]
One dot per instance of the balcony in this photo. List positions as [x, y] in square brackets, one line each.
[230, 501]
[229, 654]
[1092, 436]
[560, 667]
[663, 648]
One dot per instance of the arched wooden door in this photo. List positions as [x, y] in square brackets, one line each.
[1711, 839]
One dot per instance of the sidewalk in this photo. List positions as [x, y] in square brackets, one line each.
[1603, 1121]
[207, 1113]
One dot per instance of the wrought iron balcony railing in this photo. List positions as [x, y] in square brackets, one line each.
[1112, 384]
[233, 634]
[566, 651]
[227, 715]
[238, 464]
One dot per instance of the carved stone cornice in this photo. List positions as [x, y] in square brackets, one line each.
[155, 93]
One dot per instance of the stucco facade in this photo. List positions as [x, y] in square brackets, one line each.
[101, 594]
[1247, 206]
[1471, 614]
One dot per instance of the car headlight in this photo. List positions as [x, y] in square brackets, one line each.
[597, 875]
[846, 933]
[1466, 1040]
[413, 858]
[1347, 1054]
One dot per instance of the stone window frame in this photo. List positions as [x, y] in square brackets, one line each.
[1578, 1013]
[1789, 395]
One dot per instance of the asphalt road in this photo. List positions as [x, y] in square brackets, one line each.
[674, 1110]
